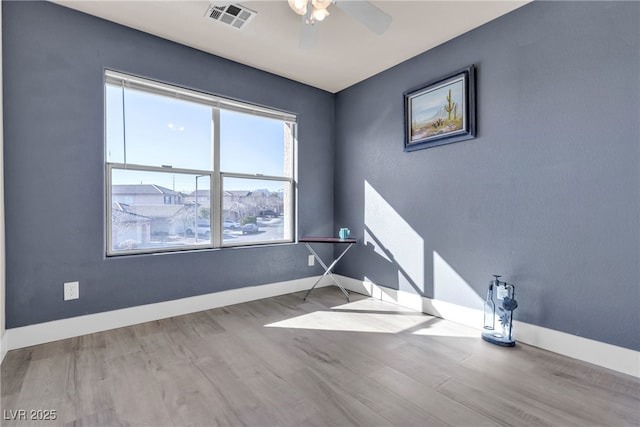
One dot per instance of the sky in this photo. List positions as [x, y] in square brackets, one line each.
[163, 131]
[425, 106]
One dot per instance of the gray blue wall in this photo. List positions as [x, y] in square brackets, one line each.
[54, 60]
[547, 194]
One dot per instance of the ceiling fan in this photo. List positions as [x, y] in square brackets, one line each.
[314, 11]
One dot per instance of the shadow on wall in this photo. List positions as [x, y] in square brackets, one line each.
[391, 242]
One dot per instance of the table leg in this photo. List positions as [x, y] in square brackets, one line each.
[327, 271]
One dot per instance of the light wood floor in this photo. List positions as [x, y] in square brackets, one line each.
[286, 362]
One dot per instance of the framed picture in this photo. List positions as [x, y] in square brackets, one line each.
[441, 111]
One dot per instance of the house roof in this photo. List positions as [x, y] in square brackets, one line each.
[155, 211]
[121, 213]
[201, 193]
[237, 193]
[142, 189]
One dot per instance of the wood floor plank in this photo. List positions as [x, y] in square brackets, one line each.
[136, 393]
[187, 394]
[17, 363]
[284, 361]
[393, 407]
[507, 408]
[337, 408]
[121, 341]
[107, 418]
[444, 408]
[588, 402]
[46, 377]
[286, 401]
[235, 395]
[88, 382]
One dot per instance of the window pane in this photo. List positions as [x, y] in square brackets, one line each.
[114, 127]
[254, 145]
[156, 210]
[158, 130]
[256, 211]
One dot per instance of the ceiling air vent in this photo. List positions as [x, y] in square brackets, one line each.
[234, 15]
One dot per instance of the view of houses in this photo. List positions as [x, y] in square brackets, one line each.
[149, 215]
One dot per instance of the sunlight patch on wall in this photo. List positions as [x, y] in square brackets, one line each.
[391, 235]
[449, 286]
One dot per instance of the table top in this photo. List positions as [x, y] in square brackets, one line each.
[326, 240]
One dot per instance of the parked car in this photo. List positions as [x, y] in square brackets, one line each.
[250, 228]
[268, 214]
[204, 230]
[230, 224]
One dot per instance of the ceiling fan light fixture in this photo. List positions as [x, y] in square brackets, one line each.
[319, 14]
[321, 4]
[298, 6]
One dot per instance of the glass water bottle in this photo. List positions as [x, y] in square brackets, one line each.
[489, 310]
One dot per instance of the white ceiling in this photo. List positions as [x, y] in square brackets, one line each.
[345, 53]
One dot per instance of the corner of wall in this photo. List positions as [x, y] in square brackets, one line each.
[612, 357]
[3, 347]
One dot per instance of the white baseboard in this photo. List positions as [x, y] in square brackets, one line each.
[606, 355]
[41, 333]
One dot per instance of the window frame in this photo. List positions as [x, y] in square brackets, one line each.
[216, 176]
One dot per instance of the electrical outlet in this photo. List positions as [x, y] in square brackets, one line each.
[311, 261]
[71, 290]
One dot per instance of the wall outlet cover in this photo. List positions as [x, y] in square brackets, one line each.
[71, 290]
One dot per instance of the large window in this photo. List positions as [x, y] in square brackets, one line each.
[187, 170]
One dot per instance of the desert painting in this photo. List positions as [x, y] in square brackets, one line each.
[438, 111]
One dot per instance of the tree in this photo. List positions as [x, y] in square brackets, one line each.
[204, 212]
[185, 217]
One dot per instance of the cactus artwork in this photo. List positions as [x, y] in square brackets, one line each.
[441, 111]
[443, 117]
[449, 106]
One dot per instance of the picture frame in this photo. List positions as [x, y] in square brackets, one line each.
[441, 111]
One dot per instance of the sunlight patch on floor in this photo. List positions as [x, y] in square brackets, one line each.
[373, 304]
[444, 328]
[374, 316]
[352, 322]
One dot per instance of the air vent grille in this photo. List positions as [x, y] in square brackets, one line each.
[234, 15]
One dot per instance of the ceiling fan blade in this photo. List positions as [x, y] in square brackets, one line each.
[308, 34]
[367, 14]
